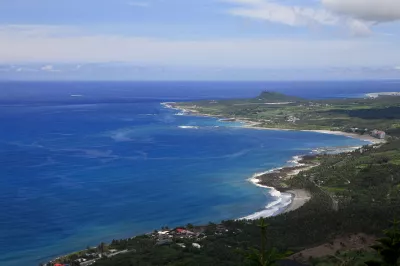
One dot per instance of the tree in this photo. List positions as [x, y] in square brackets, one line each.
[388, 247]
[101, 247]
[264, 257]
[189, 226]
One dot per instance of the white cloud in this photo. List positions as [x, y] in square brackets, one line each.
[397, 68]
[358, 16]
[296, 16]
[359, 28]
[35, 31]
[285, 14]
[369, 10]
[49, 68]
[25, 69]
[22, 46]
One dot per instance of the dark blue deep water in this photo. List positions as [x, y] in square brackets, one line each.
[112, 163]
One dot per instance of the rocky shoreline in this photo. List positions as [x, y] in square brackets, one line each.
[276, 178]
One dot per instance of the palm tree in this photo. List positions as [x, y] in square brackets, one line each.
[263, 257]
[388, 247]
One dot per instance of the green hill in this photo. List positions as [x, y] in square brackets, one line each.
[278, 97]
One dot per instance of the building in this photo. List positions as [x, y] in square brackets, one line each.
[184, 232]
[181, 231]
[378, 134]
[292, 119]
[196, 245]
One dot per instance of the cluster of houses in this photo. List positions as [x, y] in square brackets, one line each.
[162, 237]
[88, 259]
[194, 235]
[168, 237]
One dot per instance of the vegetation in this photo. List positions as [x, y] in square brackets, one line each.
[388, 247]
[275, 110]
[385, 253]
[271, 96]
[347, 258]
[364, 205]
[351, 193]
[263, 257]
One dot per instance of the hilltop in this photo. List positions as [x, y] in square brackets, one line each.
[272, 96]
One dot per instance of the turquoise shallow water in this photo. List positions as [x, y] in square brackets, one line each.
[74, 175]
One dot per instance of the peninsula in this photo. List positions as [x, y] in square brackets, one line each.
[272, 110]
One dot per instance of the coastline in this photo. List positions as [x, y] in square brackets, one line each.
[368, 138]
[272, 179]
[299, 198]
[287, 199]
[256, 125]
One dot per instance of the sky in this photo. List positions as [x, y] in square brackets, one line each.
[199, 40]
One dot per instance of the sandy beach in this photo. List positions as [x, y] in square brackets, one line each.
[371, 139]
[350, 135]
[299, 197]
[256, 125]
[287, 199]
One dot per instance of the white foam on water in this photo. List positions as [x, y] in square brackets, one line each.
[273, 208]
[189, 127]
[180, 114]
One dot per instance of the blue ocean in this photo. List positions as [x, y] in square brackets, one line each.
[86, 162]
